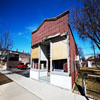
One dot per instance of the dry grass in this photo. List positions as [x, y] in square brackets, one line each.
[4, 79]
[93, 71]
[93, 88]
[92, 83]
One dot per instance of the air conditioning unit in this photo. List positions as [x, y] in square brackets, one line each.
[77, 58]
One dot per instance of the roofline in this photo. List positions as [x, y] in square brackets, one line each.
[18, 52]
[51, 19]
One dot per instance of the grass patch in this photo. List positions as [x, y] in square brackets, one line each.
[93, 71]
[92, 83]
[4, 79]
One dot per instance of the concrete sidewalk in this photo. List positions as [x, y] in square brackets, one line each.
[13, 91]
[43, 90]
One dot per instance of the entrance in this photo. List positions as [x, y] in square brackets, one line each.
[45, 57]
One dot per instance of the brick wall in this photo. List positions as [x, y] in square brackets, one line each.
[49, 28]
[52, 27]
[73, 52]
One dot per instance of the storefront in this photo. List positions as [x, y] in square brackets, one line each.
[50, 53]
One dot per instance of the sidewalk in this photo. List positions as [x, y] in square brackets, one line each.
[13, 91]
[43, 90]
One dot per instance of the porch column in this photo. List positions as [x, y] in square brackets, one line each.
[47, 67]
[50, 56]
[68, 59]
[39, 59]
[33, 64]
[31, 59]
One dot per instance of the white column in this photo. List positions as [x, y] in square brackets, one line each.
[33, 64]
[31, 59]
[50, 56]
[47, 64]
[39, 59]
[68, 59]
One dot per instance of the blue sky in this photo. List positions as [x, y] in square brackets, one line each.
[21, 17]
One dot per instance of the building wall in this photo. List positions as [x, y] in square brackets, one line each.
[14, 60]
[90, 64]
[12, 64]
[49, 28]
[73, 53]
[24, 58]
[62, 81]
[52, 27]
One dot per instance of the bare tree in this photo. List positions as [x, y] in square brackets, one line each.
[86, 20]
[6, 43]
[81, 53]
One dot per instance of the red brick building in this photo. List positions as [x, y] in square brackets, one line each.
[54, 52]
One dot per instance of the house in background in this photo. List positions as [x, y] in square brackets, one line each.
[54, 53]
[24, 57]
[3, 57]
[12, 58]
[90, 62]
[93, 61]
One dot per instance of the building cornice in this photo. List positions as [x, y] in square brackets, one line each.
[51, 19]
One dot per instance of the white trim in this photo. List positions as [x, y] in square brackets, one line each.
[50, 37]
[50, 56]
[53, 36]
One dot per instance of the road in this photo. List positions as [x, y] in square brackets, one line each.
[24, 72]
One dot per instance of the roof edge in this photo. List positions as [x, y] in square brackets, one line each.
[52, 19]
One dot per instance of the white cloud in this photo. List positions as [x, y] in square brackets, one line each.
[31, 28]
[20, 33]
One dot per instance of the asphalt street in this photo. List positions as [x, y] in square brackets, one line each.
[24, 72]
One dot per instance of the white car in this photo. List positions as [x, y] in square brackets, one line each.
[28, 65]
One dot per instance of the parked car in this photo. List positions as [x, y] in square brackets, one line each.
[21, 65]
[28, 65]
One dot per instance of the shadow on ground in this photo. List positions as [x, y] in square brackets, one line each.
[80, 89]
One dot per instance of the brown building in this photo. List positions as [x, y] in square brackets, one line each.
[15, 57]
[54, 52]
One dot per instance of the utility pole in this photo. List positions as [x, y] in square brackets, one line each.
[94, 54]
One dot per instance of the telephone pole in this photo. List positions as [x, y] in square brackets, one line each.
[94, 55]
